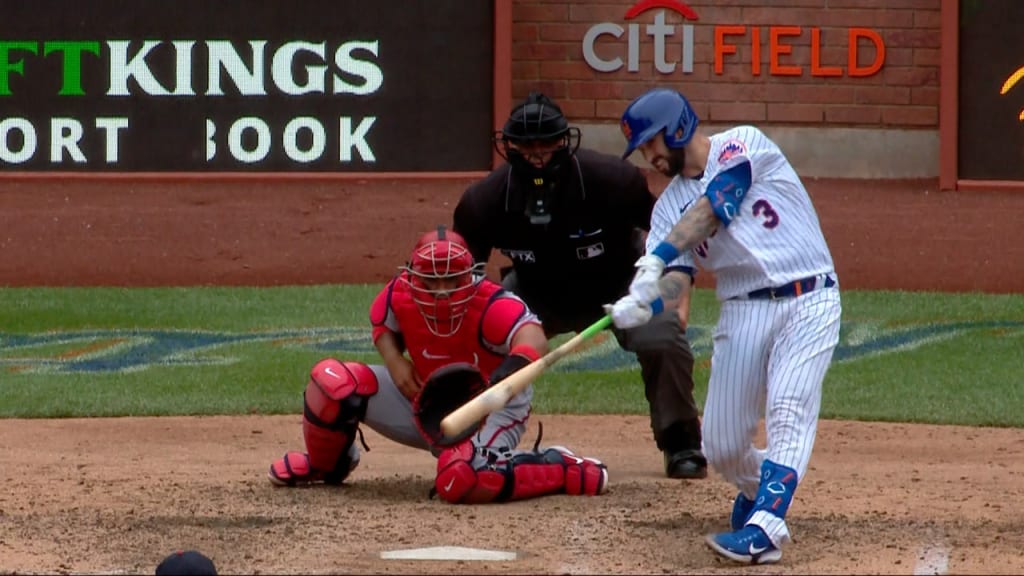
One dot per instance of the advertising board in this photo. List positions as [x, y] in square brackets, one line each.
[235, 85]
[991, 90]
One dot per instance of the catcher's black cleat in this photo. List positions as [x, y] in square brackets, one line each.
[686, 464]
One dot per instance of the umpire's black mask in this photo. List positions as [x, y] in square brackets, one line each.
[537, 142]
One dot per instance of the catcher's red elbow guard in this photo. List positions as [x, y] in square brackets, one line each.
[526, 351]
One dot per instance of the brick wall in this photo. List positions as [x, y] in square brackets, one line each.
[547, 54]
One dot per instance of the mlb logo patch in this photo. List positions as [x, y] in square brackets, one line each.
[588, 252]
[731, 149]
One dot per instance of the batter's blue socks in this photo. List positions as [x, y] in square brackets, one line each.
[775, 493]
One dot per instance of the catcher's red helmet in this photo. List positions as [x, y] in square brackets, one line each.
[443, 279]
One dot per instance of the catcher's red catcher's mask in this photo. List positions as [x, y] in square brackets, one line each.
[443, 279]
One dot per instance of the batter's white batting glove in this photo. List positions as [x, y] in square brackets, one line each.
[645, 283]
[629, 312]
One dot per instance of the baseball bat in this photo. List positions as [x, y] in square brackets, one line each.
[495, 397]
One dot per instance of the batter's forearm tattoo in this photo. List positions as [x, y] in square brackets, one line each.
[672, 288]
[697, 224]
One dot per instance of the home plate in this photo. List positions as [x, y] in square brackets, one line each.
[448, 553]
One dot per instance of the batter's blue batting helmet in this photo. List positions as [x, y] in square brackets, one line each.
[656, 110]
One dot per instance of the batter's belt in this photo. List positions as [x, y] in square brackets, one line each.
[795, 288]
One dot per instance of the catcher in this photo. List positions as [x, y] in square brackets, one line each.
[445, 333]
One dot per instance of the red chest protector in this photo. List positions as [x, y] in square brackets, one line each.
[483, 339]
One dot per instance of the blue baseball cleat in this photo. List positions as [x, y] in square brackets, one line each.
[749, 545]
[742, 508]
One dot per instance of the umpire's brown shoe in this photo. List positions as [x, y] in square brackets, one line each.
[686, 464]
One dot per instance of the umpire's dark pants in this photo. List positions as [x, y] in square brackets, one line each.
[661, 347]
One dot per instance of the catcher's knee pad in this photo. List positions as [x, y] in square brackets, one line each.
[519, 477]
[334, 405]
[457, 481]
[583, 476]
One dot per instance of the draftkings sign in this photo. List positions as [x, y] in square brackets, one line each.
[237, 85]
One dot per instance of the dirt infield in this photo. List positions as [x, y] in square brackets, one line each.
[116, 495]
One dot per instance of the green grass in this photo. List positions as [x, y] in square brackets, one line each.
[910, 357]
[36, 309]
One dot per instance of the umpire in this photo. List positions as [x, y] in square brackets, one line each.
[572, 222]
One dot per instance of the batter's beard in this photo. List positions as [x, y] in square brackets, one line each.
[676, 161]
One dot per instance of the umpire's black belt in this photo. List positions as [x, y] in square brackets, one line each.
[795, 288]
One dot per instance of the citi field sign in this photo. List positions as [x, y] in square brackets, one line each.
[235, 85]
[608, 46]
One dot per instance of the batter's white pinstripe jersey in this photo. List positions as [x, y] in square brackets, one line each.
[775, 237]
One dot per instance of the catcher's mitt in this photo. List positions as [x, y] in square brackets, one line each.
[446, 389]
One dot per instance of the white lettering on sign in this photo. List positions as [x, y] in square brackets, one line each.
[111, 128]
[318, 139]
[124, 67]
[223, 56]
[355, 139]
[369, 71]
[259, 136]
[659, 31]
[262, 137]
[28, 140]
[65, 135]
[355, 70]
[284, 78]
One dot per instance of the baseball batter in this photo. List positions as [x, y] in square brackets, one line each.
[738, 208]
[443, 332]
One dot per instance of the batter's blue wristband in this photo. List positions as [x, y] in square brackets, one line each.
[657, 306]
[666, 251]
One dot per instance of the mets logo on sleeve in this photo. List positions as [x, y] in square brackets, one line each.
[731, 149]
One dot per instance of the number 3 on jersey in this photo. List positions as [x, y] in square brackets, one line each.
[763, 208]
